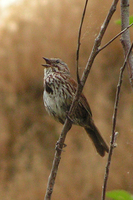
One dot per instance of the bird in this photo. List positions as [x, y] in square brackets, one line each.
[59, 91]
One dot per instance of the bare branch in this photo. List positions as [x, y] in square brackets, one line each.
[100, 49]
[95, 49]
[57, 157]
[114, 134]
[125, 39]
[79, 38]
[68, 122]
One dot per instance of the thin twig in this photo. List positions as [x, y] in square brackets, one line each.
[114, 134]
[100, 49]
[79, 41]
[125, 39]
[56, 161]
[97, 43]
[68, 122]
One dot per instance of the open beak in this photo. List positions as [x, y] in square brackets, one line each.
[48, 62]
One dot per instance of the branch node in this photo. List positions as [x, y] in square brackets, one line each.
[114, 145]
[58, 146]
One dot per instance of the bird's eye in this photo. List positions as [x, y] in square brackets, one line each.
[57, 61]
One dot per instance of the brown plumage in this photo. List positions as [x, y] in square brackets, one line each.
[59, 90]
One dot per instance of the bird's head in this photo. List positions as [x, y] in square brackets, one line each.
[55, 65]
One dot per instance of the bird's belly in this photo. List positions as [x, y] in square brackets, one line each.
[55, 106]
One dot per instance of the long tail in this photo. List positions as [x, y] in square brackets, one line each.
[97, 140]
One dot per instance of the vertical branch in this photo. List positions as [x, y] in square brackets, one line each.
[125, 39]
[79, 38]
[56, 161]
[114, 134]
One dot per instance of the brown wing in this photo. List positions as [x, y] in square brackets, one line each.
[85, 104]
[83, 99]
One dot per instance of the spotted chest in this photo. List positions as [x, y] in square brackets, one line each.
[57, 99]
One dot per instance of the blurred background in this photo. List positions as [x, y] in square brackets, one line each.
[29, 30]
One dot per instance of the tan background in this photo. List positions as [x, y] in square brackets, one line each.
[32, 29]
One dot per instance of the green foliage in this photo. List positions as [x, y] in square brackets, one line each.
[130, 20]
[119, 195]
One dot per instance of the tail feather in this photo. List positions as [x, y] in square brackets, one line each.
[97, 140]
